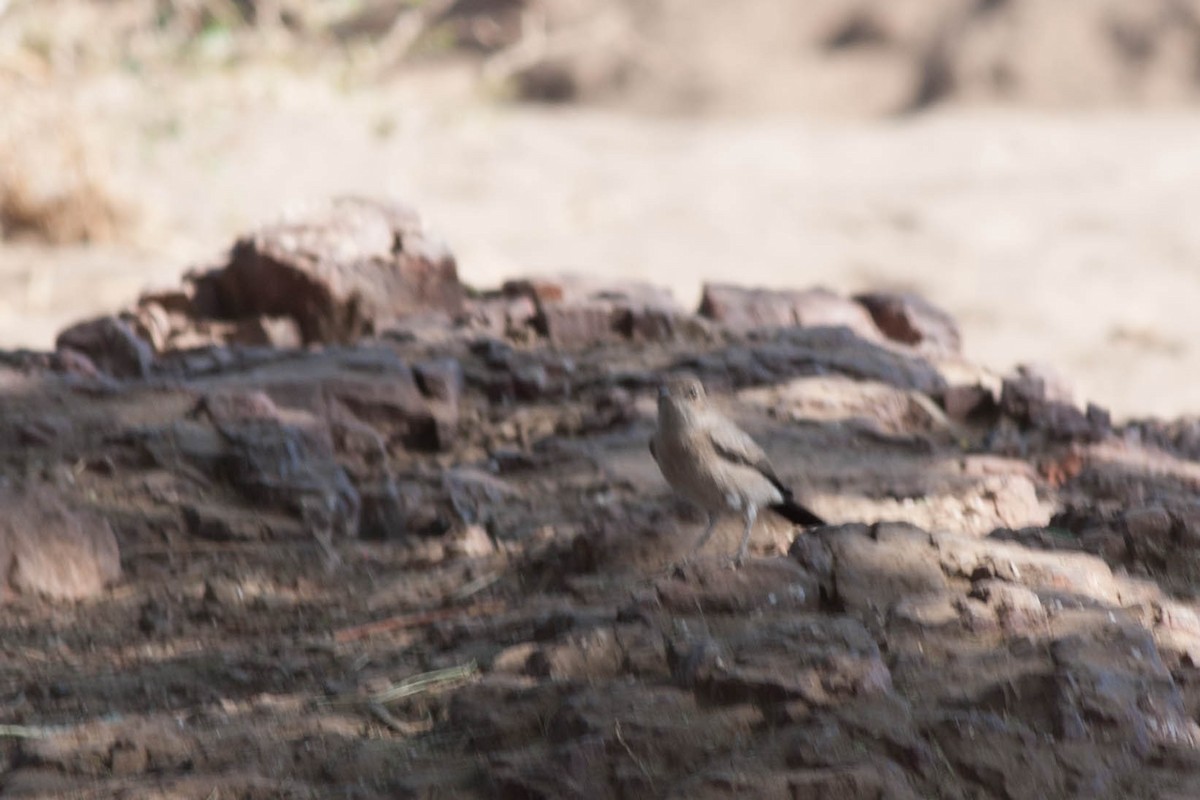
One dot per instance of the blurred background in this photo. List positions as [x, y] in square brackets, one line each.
[1031, 166]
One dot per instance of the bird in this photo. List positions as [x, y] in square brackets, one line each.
[713, 463]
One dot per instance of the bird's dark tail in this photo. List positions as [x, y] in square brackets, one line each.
[795, 513]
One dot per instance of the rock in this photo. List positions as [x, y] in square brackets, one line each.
[171, 300]
[530, 382]
[502, 315]
[440, 379]
[743, 309]
[911, 319]
[271, 331]
[577, 324]
[111, 344]
[494, 353]
[470, 541]
[501, 712]
[1017, 609]
[49, 548]
[152, 323]
[987, 746]
[225, 593]
[925, 610]
[575, 311]
[762, 585]
[1076, 575]
[789, 353]
[1186, 518]
[967, 403]
[648, 324]
[820, 660]
[348, 269]
[1106, 543]
[395, 511]
[43, 431]
[128, 758]
[476, 495]
[291, 467]
[232, 406]
[1112, 685]
[222, 524]
[1037, 398]
[397, 407]
[1149, 532]
[72, 362]
[593, 655]
[879, 565]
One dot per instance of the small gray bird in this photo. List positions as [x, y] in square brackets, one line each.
[715, 464]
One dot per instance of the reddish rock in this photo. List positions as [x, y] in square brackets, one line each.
[911, 319]
[745, 309]
[111, 344]
[347, 270]
[575, 310]
[577, 324]
[49, 548]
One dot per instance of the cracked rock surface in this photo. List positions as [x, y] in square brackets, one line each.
[440, 561]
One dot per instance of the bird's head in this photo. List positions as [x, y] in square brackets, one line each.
[681, 396]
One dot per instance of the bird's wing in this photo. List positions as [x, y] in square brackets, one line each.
[653, 449]
[733, 444]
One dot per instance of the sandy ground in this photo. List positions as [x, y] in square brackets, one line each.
[1065, 240]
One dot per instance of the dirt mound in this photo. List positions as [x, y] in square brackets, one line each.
[440, 560]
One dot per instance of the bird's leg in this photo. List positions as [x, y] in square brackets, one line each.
[751, 515]
[704, 537]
